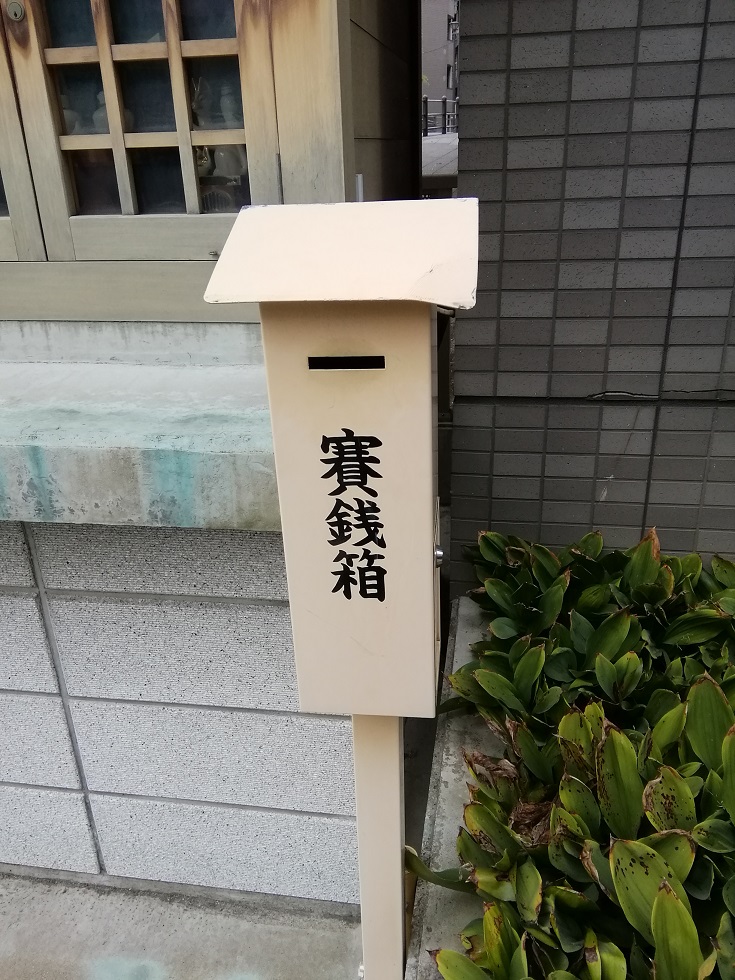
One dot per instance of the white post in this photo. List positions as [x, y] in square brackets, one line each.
[378, 749]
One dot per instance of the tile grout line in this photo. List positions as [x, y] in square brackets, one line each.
[61, 681]
[728, 343]
[675, 271]
[616, 260]
[557, 265]
[188, 705]
[185, 800]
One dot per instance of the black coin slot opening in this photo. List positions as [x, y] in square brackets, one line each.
[356, 363]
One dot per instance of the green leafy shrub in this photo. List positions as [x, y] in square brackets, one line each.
[599, 834]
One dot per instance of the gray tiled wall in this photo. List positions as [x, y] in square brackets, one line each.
[594, 381]
[149, 723]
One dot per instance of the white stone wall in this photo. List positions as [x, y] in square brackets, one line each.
[149, 721]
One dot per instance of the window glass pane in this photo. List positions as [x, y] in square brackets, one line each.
[223, 178]
[216, 98]
[82, 99]
[69, 23]
[137, 21]
[146, 92]
[158, 180]
[3, 200]
[201, 19]
[93, 173]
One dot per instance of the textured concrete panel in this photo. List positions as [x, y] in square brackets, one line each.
[62, 930]
[15, 568]
[25, 664]
[288, 762]
[136, 444]
[195, 652]
[279, 853]
[45, 828]
[34, 742]
[163, 560]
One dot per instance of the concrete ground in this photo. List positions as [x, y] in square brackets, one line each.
[62, 930]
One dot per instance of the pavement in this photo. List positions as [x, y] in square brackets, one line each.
[63, 930]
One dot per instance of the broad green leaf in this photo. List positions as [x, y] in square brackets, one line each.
[628, 669]
[484, 825]
[518, 969]
[691, 565]
[728, 772]
[619, 787]
[501, 595]
[501, 941]
[637, 872]
[529, 891]
[550, 605]
[581, 631]
[579, 799]
[606, 675]
[593, 599]
[677, 849]
[532, 756]
[726, 602]
[724, 571]
[695, 627]
[728, 894]
[715, 835]
[709, 717]
[492, 547]
[545, 565]
[547, 701]
[668, 802]
[495, 884]
[643, 567]
[500, 689]
[473, 854]
[668, 728]
[598, 868]
[455, 966]
[595, 716]
[504, 628]
[725, 946]
[592, 963]
[528, 671]
[675, 938]
[609, 637]
[453, 878]
[612, 960]
[576, 743]
[591, 544]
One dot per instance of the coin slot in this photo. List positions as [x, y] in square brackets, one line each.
[350, 363]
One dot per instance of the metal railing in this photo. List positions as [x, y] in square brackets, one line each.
[443, 119]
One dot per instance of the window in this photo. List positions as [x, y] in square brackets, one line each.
[137, 109]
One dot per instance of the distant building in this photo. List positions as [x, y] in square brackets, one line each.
[439, 39]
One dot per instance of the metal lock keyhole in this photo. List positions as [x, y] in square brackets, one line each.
[16, 11]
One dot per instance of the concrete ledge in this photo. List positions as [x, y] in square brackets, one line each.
[440, 914]
[136, 424]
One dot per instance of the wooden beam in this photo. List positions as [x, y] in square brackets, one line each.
[121, 291]
[218, 137]
[143, 51]
[8, 251]
[314, 100]
[258, 100]
[20, 236]
[114, 105]
[36, 98]
[134, 141]
[86, 141]
[150, 236]
[86, 55]
[182, 105]
[209, 47]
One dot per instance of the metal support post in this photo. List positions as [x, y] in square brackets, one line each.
[378, 749]
[444, 115]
